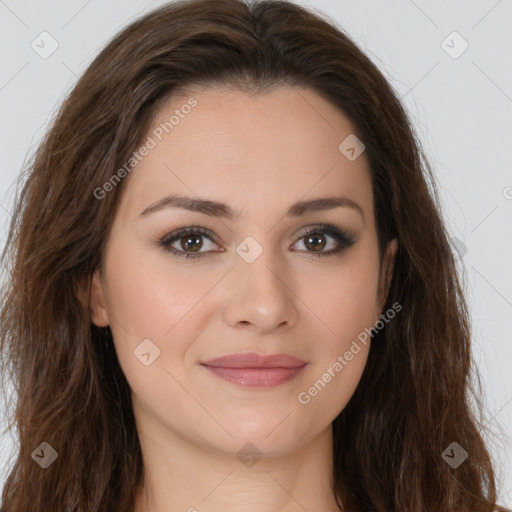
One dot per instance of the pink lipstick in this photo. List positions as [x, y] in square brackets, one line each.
[256, 370]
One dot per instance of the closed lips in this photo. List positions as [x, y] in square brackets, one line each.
[256, 370]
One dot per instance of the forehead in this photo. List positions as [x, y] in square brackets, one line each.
[253, 152]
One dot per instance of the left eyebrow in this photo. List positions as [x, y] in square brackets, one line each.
[218, 209]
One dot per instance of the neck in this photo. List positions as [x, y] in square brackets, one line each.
[179, 476]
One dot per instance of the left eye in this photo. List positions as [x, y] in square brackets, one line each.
[190, 241]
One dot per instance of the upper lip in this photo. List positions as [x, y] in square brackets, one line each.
[253, 360]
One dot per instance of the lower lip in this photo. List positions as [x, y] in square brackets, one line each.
[256, 377]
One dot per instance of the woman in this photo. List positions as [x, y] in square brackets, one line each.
[230, 286]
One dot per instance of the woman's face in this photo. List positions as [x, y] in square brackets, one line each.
[256, 282]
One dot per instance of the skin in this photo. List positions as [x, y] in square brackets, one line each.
[258, 155]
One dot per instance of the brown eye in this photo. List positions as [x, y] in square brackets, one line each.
[316, 240]
[192, 242]
[188, 242]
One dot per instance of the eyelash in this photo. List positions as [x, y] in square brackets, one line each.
[344, 239]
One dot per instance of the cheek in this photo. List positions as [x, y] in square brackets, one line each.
[170, 304]
[344, 300]
[150, 294]
[148, 301]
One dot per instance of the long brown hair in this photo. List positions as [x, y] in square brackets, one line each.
[414, 398]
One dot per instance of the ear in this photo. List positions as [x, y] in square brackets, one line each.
[386, 274]
[91, 294]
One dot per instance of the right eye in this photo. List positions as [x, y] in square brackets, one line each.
[187, 239]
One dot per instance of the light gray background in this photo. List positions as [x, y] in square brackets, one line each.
[461, 107]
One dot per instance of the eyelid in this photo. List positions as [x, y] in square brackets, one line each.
[186, 230]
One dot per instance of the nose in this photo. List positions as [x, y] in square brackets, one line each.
[260, 295]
